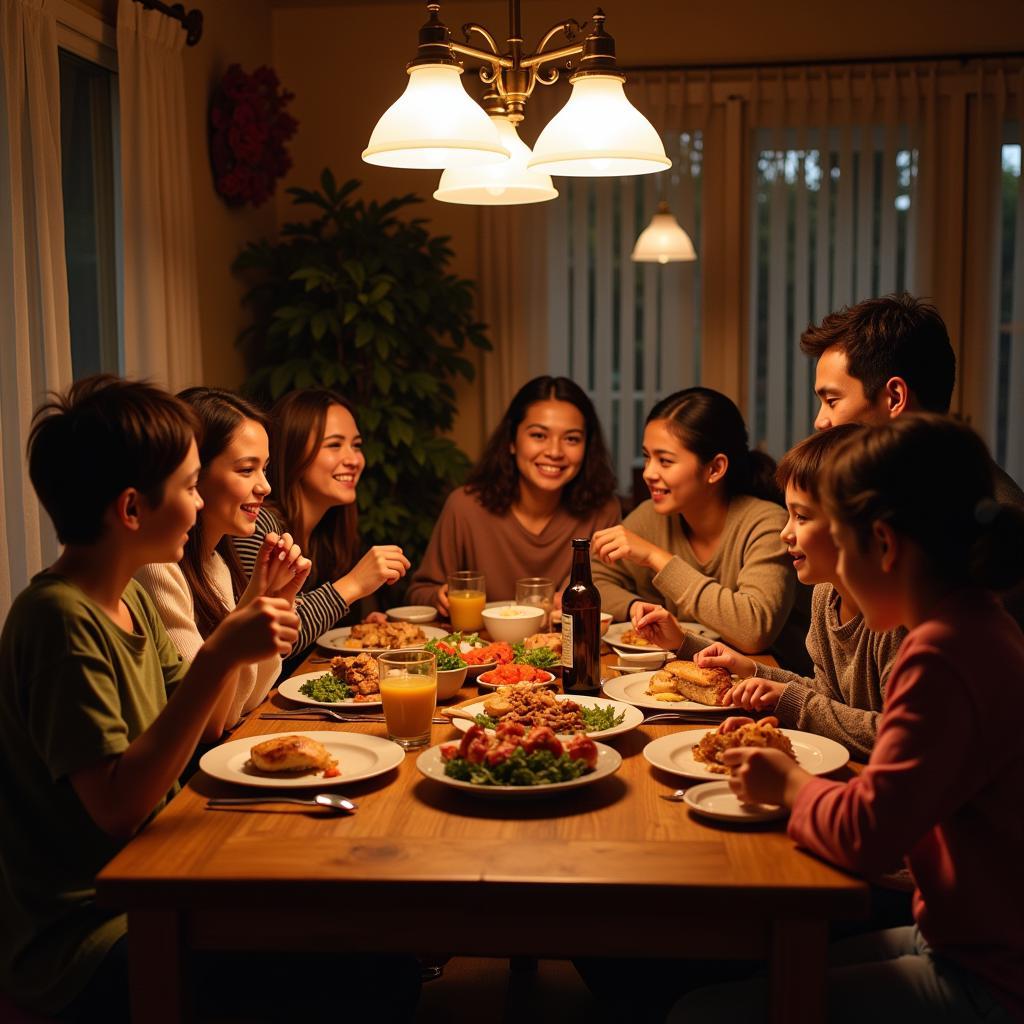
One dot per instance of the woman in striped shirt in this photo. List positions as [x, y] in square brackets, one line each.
[316, 460]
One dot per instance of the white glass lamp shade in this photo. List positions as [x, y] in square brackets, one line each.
[663, 241]
[599, 133]
[504, 184]
[434, 123]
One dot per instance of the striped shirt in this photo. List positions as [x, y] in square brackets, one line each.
[320, 608]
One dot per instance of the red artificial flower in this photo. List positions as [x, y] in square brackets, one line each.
[248, 130]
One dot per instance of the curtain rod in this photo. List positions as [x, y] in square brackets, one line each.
[963, 58]
[191, 21]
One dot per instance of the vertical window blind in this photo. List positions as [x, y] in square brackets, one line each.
[627, 333]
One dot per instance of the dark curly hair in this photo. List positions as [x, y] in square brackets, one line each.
[494, 480]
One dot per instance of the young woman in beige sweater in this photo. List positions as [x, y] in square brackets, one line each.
[706, 545]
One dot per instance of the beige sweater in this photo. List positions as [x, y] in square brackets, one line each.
[844, 699]
[166, 585]
[467, 536]
[747, 591]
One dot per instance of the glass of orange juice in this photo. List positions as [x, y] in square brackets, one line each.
[408, 688]
[466, 600]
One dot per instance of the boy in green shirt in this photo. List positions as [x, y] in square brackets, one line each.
[90, 744]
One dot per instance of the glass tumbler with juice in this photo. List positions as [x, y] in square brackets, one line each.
[408, 690]
[466, 600]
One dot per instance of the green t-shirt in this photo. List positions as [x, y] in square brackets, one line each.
[75, 688]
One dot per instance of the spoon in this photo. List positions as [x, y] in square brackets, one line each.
[330, 800]
[458, 713]
[677, 796]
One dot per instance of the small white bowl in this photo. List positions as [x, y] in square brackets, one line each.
[512, 622]
[449, 682]
[653, 660]
[413, 613]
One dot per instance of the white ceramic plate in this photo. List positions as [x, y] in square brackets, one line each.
[338, 640]
[615, 632]
[631, 690]
[359, 757]
[674, 753]
[716, 800]
[290, 688]
[417, 613]
[488, 686]
[431, 765]
[634, 716]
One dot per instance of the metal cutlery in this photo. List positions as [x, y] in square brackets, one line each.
[677, 797]
[332, 801]
[337, 716]
[680, 716]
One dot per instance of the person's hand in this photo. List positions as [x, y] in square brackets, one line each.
[761, 775]
[733, 722]
[441, 600]
[655, 625]
[378, 617]
[616, 543]
[259, 630]
[383, 563]
[755, 694]
[293, 583]
[717, 655]
[274, 563]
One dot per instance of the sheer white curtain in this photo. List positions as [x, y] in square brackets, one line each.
[35, 353]
[161, 308]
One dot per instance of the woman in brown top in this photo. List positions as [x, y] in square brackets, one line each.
[544, 478]
[706, 546]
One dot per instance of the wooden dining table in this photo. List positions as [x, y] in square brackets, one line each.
[609, 869]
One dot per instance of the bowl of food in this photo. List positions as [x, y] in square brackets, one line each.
[451, 666]
[413, 613]
[655, 659]
[512, 622]
[511, 675]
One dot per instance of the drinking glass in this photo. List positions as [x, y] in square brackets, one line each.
[538, 591]
[466, 600]
[408, 688]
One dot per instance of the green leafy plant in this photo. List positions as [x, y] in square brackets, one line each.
[359, 300]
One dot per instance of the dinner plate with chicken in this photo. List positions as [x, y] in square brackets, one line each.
[293, 760]
[674, 688]
[350, 683]
[379, 636]
[697, 753]
[623, 637]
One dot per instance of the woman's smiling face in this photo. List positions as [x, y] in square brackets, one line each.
[674, 475]
[234, 484]
[332, 476]
[550, 444]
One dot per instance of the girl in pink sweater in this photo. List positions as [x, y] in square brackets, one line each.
[923, 545]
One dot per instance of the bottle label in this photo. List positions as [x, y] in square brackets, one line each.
[566, 641]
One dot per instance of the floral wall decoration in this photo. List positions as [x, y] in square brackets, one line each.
[248, 132]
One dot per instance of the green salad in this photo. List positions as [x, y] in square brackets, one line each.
[520, 769]
[326, 688]
[447, 652]
[538, 657]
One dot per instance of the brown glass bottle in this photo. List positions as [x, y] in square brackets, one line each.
[581, 625]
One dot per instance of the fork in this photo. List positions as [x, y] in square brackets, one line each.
[338, 716]
[680, 716]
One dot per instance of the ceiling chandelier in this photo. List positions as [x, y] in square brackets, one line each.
[435, 124]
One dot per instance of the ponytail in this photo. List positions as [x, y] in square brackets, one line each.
[709, 424]
[996, 558]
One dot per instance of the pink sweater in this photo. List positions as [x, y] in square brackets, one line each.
[943, 787]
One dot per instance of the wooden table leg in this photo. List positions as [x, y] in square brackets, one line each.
[156, 964]
[797, 971]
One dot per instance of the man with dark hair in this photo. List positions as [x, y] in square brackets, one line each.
[884, 357]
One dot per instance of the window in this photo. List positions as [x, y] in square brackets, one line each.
[632, 330]
[88, 109]
[1008, 447]
[831, 225]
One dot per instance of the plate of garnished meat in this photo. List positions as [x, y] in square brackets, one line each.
[679, 686]
[378, 636]
[348, 682]
[697, 754]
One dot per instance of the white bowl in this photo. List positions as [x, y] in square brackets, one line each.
[653, 660]
[413, 613]
[487, 687]
[449, 682]
[512, 622]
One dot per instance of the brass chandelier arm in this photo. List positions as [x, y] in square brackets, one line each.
[570, 27]
[495, 59]
[536, 59]
[471, 26]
